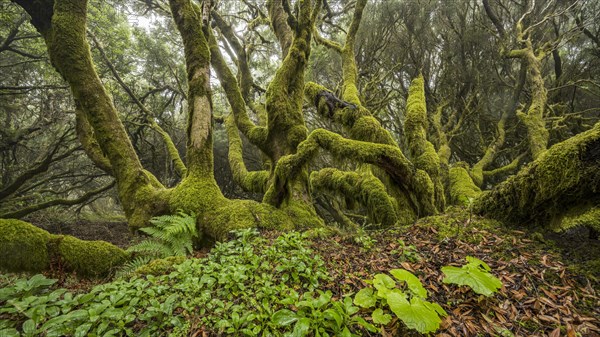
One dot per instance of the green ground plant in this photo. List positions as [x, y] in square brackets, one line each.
[475, 274]
[405, 297]
[169, 235]
[236, 290]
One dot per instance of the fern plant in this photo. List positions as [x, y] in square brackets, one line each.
[170, 235]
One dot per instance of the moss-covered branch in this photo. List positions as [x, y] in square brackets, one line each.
[364, 188]
[444, 151]
[561, 178]
[250, 181]
[62, 23]
[533, 119]
[256, 134]
[244, 76]
[461, 188]
[26, 248]
[506, 169]
[278, 18]
[85, 134]
[171, 148]
[415, 183]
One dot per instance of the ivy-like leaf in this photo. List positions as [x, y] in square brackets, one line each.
[417, 314]
[413, 282]
[284, 317]
[364, 298]
[475, 275]
[381, 318]
[383, 284]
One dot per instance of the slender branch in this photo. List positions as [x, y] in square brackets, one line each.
[56, 202]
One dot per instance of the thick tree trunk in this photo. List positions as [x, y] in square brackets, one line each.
[557, 183]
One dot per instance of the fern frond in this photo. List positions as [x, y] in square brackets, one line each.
[170, 235]
[131, 266]
[152, 247]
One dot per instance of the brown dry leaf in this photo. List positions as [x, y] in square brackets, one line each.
[547, 318]
[547, 302]
[549, 294]
[570, 331]
[555, 333]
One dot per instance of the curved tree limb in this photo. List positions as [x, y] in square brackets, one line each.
[255, 181]
[389, 158]
[171, 148]
[365, 188]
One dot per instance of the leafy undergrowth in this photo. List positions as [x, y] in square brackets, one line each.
[540, 296]
[309, 285]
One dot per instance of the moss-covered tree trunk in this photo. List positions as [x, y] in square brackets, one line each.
[62, 23]
[562, 184]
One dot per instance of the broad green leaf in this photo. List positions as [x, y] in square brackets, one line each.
[83, 329]
[9, 332]
[332, 314]
[473, 261]
[29, 327]
[416, 314]
[364, 298]
[480, 281]
[380, 318]
[413, 282]
[302, 327]
[284, 317]
[383, 284]
[40, 280]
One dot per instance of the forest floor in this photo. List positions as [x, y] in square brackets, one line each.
[541, 294]
[551, 282]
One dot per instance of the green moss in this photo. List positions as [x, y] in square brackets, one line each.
[249, 181]
[160, 266]
[585, 215]
[90, 258]
[302, 214]
[240, 214]
[364, 188]
[461, 186]
[422, 152]
[563, 177]
[23, 246]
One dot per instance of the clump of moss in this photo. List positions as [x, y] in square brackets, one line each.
[27, 248]
[461, 186]
[23, 246]
[160, 266]
[90, 258]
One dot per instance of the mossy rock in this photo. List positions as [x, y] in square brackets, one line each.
[90, 258]
[160, 266]
[23, 247]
